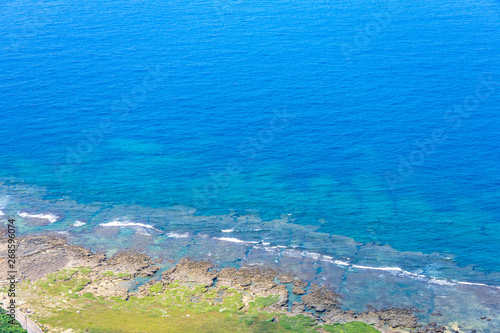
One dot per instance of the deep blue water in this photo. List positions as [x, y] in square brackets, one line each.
[373, 120]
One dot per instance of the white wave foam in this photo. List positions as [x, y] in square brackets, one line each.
[393, 270]
[127, 224]
[439, 281]
[336, 262]
[269, 248]
[51, 217]
[78, 223]
[475, 284]
[4, 199]
[1, 213]
[142, 231]
[312, 255]
[389, 269]
[292, 253]
[140, 228]
[235, 240]
[177, 235]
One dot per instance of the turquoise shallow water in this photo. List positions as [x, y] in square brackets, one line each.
[366, 132]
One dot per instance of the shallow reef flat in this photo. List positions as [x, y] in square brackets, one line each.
[67, 288]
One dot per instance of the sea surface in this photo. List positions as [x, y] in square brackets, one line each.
[363, 135]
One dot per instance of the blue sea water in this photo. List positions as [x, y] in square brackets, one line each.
[374, 120]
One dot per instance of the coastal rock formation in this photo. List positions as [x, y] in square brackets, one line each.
[321, 298]
[286, 278]
[398, 317]
[98, 276]
[246, 276]
[191, 271]
[259, 282]
[106, 287]
[38, 256]
[298, 291]
[298, 308]
[393, 318]
[433, 328]
[300, 283]
[137, 264]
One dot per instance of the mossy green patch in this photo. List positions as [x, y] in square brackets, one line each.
[172, 308]
[299, 323]
[262, 302]
[352, 327]
[156, 288]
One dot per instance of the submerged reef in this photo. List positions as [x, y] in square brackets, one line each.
[67, 288]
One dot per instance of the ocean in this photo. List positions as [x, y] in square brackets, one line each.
[359, 134]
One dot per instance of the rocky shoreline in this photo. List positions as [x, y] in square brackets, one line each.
[51, 258]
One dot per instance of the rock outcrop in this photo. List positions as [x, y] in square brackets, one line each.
[192, 272]
[321, 299]
[38, 256]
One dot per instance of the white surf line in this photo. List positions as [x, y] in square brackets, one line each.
[172, 234]
[400, 272]
[290, 251]
[235, 240]
[51, 217]
[78, 223]
[127, 224]
[394, 270]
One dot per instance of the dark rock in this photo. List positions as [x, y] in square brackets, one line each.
[190, 271]
[321, 299]
[398, 317]
[298, 308]
[298, 291]
[244, 277]
[300, 283]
